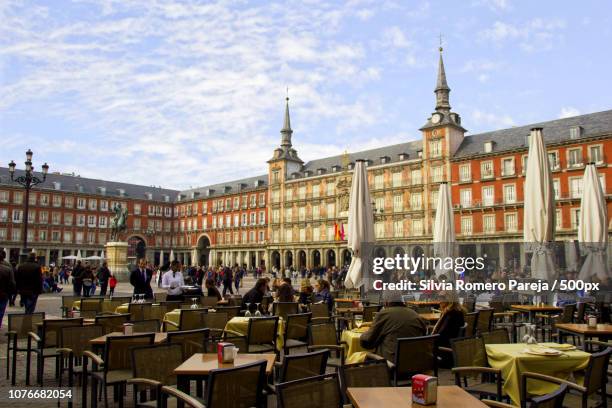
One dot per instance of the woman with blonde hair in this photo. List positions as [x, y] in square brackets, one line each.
[450, 323]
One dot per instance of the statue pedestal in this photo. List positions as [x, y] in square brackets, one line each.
[116, 257]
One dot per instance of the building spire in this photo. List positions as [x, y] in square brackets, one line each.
[286, 130]
[442, 90]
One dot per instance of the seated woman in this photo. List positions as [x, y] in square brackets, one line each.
[211, 289]
[449, 325]
[323, 294]
[285, 291]
[306, 294]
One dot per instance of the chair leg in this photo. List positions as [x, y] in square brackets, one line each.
[14, 364]
[8, 359]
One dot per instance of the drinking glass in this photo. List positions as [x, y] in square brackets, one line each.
[358, 320]
[194, 304]
[248, 311]
[257, 312]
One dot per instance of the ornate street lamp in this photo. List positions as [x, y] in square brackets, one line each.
[27, 181]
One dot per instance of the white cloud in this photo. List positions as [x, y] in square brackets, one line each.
[534, 35]
[568, 111]
[491, 120]
[494, 5]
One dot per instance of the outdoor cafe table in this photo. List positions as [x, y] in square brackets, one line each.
[106, 305]
[430, 317]
[513, 361]
[449, 396]
[423, 302]
[197, 367]
[354, 352]
[603, 331]
[533, 309]
[240, 324]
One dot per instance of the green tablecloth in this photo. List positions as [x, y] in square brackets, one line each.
[512, 361]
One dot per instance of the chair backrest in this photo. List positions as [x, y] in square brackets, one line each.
[282, 309]
[241, 386]
[235, 300]
[596, 372]
[298, 366]
[52, 330]
[209, 301]
[568, 313]
[262, 330]
[470, 304]
[485, 320]
[373, 373]
[160, 297]
[192, 341]
[137, 310]
[497, 306]
[469, 352]
[157, 362]
[580, 311]
[266, 301]
[91, 306]
[496, 336]
[118, 350]
[122, 299]
[68, 300]
[322, 391]
[319, 310]
[416, 355]
[471, 320]
[113, 323]
[169, 306]
[109, 305]
[296, 326]
[146, 326]
[552, 400]
[369, 311]
[322, 334]
[76, 338]
[191, 318]
[21, 324]
[232, 311]
[216, 320]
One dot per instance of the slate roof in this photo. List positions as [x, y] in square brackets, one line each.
[230, 187]
[554, 131]
[77, 184]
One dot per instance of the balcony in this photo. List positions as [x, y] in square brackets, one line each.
[487, 176]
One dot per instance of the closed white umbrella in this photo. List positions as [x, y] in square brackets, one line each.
[102, 255]
[360, 224]
[593, 227]
[69, 257]
[161, 258]
[539, 209]
[171, 255]
[78, 255]
[444, 230]
[571, 256]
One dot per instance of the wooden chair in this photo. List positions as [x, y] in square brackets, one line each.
[252, 379]
[112, 323]
[146, 326]
[189, 319]
[67, 301]
[296, 331]
[192, 341]
[282, 309]
[298, 366]
[232, 311]
[139, 311]
[471, 320]
[261, 335]
[324, 336]
[74, 342]
[322, 391]
[370, 311]
[46, 345]
[215, 323]
[180, 396]
[90, 307]
[551, 400]
[496, 336]
[484, 323]
[371, 373]
[414, 355]
[19, 325]
[209, 301]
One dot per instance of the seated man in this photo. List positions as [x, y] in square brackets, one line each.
[393, 322]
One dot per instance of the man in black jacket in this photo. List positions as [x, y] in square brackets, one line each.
[29, 282]
[103, 275]
[77, 278]
[7, 283]
[140, 278]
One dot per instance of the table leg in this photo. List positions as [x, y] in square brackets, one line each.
[183, 384]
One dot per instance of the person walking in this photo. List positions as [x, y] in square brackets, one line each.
[7, 283]
[28, 280]
[112, 283]
[77, 278]
[140, 278]
[103, 275]
[228, 278]
[87, 279]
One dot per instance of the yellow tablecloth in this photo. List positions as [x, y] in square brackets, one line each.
[354, 353]
[240, 324]
[124, 308]
[512, 361]
[106, 305]
[173, 316]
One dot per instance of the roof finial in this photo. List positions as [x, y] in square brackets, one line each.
[287, 98]
[441, 49]
[286, 130]
[442, 90]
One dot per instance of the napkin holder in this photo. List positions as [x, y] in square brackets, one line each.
[424, 389]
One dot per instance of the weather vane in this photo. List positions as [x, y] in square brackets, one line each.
[441, 42]
[287, 93]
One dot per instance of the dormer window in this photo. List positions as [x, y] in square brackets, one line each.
[384, 159]
[121, 192]
[243, 186]
[57, 185]
[194, 195]
[166, 198]
[149, 196]
[102, 190]
[420, 154]
[307, 173]
[227, 188]
[320, 171]
[403, 156]
[575, 132]
[335, 167]
[178, 197]
[80, 188]
[488, 147]
[210, 192]
[367, 162]
[351, 166]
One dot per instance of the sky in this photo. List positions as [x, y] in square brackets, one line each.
[187, 93]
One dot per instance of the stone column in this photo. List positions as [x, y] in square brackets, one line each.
[523, 255]
[502, 255]
[256, 259]
[47, 256]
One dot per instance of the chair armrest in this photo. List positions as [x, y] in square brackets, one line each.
[446, 349]
[64, 350]
[182, 396]
[374, 356]
[233, 333]
[325, 346]
[320, 319]
[93, 357]
[496, 404]
[554, 380]
[598, 343]
[34, 336]
[164, 322]
[459, 370]
[144, 381]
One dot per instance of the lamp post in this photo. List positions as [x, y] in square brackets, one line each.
[27, 181]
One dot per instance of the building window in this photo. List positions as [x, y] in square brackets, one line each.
[302, 213]
[397, 179]
[511, 222]
[575, 187]
[508, 167]
[315, 212]
[67, 236]
[398, 229]
[595, 154]
[69, 202]
[557, 188]
[4, 197]
[466, 225]
[33, 198]
[398, 203]
[575, 214]
[509, 194]
[288, 235]
[103, 205]
[486, 169]
[488, 196]
[379, 181]
[435, 148]
[302, 235]
[275, 216]
[288, 214]
[3, 235]
[415, 177]
[331, 210]
[3, 214]
[330, 188]
[302, 192]
[17, 216]
[93, 204]
[417, 227]
[17, 197]
[488, 147]
[16, 234]
[553, 160]
[102, 222]
[81, 203]
[275, 176]
[434, 198]
[558, 219]
[42, 235]
[316, 190]
[437, 174]
[252, 218]
[488, 222]
[68, 218]
[57, 200]
[379, 229]
[379, 204]
[465, 197]
[575, 157]
[416, 201]
[465, 172]
[237, 203]
[137, 209]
